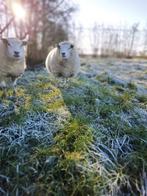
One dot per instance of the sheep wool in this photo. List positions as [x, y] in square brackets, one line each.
[63, 60]
[12, 60]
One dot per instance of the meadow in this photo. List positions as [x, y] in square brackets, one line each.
[79, 136]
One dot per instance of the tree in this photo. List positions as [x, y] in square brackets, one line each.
[134, 31]
[46, 23]
[95, 39]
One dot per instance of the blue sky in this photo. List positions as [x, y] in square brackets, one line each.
[114, 12]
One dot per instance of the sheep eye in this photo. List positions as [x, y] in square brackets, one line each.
[58, 46]
[8, 44]
[71, 46]
[24, 43]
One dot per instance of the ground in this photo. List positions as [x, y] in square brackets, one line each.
[79, 136]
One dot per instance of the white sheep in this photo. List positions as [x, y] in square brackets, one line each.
[63, 60]
[12, 60]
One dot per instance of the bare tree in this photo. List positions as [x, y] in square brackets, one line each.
[134, 31]
[46, 23]
[95, 35]
[76, 36]
[112, 41]
[50, 26]
[144, 42]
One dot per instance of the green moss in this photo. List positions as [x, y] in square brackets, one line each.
[55, 106]
[70, 149]
[75, 137]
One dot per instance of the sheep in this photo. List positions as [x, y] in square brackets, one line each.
[63, 60]
[12, 60]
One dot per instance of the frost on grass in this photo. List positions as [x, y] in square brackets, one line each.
[36, 128]
[6, 110]
[79, 136]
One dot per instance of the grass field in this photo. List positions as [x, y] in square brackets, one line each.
[79, 136]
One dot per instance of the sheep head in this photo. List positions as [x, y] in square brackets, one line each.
[14, 48]
[65, 49]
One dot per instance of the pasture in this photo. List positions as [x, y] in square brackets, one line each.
[79, 136]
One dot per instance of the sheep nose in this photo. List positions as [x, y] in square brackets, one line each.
[16, 53]
[63, 54]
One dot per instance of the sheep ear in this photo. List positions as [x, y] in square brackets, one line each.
[5, 41]
[72, 46]
[58, 46]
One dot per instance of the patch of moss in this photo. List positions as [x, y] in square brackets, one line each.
[70, 148]
[75, 137]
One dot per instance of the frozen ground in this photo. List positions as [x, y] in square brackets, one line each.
[134, 71]
[79, 136]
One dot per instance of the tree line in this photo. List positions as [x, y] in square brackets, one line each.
[105, 40]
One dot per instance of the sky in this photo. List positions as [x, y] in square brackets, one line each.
[112, 12]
